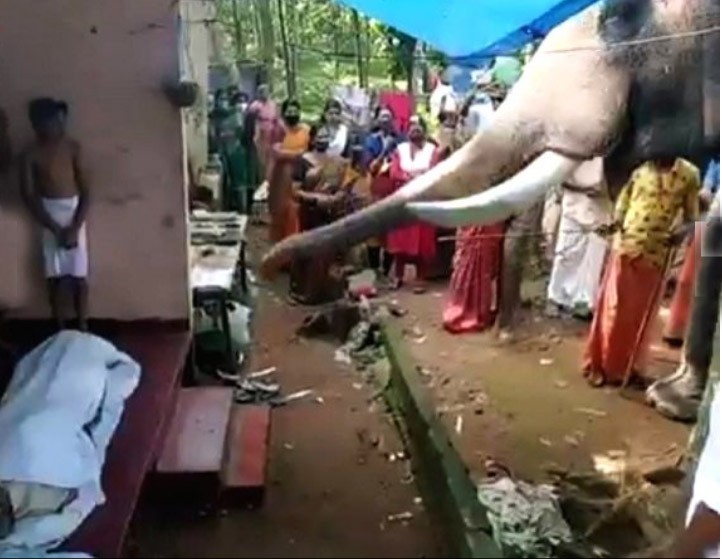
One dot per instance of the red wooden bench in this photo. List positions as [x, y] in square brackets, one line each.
[161, 349]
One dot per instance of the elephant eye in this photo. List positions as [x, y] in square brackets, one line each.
[623, 19]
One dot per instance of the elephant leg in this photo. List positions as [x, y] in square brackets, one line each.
[518, 244]
[679, 395]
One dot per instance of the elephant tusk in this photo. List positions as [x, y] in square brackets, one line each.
[511, 197]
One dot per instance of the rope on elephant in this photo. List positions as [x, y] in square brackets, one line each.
[452, 238]
[536, 234]
[619, 44]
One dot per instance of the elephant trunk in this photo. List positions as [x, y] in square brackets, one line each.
[487, 158]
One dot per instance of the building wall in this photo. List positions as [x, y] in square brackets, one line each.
[195, 46]
[108, 60]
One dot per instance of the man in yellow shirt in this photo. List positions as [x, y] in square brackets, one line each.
[646, 212]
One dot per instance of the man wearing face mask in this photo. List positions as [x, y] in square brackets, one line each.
[282, 207]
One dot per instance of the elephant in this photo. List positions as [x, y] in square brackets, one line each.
[626, 80]
[679, 395]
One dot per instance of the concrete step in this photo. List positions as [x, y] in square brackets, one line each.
[196, 437]
[244, 473]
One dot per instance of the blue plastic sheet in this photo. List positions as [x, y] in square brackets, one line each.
[471, 31]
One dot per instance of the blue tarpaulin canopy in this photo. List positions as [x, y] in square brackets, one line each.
[470, 31]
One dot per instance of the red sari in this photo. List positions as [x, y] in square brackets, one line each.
[629, 288]
[473, 293]
[679, 310]
[415, 243]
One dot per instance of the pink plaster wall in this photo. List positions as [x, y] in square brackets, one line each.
[107, 59]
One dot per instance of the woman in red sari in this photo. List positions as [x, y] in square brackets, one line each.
[475, 283]
[379, 145]
[416, 243]
[473, 298]
[679, 309]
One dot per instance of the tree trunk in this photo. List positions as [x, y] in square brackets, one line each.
[238, 35]
[292, 31]
[410, 64]
[287, 63]
[267, 37]
[367, 50]
[358, 36]
[415, 68]
[337, 31]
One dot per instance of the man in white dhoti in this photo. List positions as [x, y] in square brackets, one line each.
[580, 252]
[56, 192]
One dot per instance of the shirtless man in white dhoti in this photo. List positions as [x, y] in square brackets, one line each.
[56, 192]
[580, 252]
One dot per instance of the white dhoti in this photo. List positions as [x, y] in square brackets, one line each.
[580, 254]
[60, 261]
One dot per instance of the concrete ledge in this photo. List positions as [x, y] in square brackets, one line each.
[443, 479]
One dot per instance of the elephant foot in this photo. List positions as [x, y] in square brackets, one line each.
[678, 396]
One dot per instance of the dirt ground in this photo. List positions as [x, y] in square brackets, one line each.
[526, 404]
[332, 485]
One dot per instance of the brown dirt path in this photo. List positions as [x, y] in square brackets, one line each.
[331, 488]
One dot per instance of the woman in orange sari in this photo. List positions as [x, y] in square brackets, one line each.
[318, 188]
[281, 203]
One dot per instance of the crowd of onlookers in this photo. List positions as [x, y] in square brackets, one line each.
[610, 260]
[314, 173]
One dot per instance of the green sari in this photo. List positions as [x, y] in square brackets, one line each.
[242, 172]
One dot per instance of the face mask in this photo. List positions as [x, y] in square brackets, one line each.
[243, 107]
[321, 146]
[292, 120]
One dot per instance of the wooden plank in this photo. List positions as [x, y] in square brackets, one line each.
[197, 434]
[247, 451]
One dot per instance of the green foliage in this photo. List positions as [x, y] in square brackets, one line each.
[322, 42]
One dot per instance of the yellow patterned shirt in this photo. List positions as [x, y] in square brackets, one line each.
[650, 204]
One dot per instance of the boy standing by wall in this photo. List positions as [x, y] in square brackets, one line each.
[56, 192]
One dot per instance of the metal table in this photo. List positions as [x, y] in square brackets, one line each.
[217, 258]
